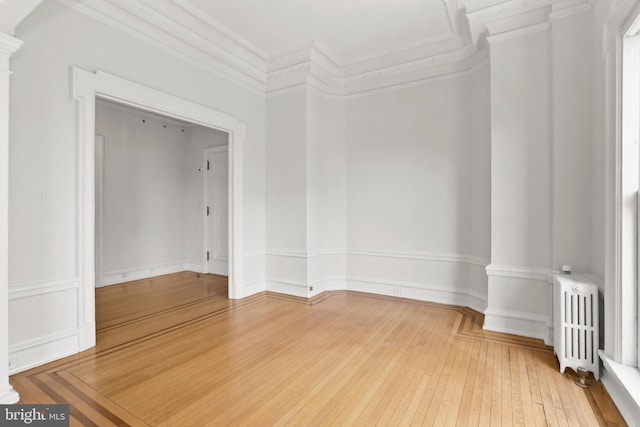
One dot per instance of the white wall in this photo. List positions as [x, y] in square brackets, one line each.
[42, 241]
[573, 198]
[152, 193]
[326, 192]
[306, 192]
[406, 191]
[418, 190]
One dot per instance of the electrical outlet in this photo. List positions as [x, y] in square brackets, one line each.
[397, 291]
[310, 288]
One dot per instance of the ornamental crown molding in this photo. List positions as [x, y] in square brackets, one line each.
[177, 27]
[8, 46]
[178, 31]
[492, 17]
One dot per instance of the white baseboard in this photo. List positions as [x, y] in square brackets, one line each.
[9, 396]
[252, 288]
[417, 291]
[138, 273]
[287, 287]
[519, 323]
[34, 352]
[476, 301]
[623, 385]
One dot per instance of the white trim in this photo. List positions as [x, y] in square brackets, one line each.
[520, 272]
[40, 287]
[9, 396]
[284, 252]
[163, 32]
[287, 287]
[86, 87]
[478, 260]
[623, 385]
[631, 25]
[418, 291]
[519, 32]
[254, 253]
[570, 11]
[252, 288]
[518, 322]
[100, 210]
[137, 273]
[327, 252]
[8, 46]
[34, 352]
[207, 245]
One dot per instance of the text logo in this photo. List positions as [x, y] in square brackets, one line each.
[34, 415]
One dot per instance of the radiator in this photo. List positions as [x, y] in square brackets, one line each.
[575, 323]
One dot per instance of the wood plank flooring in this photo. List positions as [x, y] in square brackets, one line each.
[174, 351]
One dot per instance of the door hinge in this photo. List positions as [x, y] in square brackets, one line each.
[207, 210]
[208, 165]
[207, 255]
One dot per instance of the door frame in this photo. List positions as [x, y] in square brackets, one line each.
[206, 244]
[99, 197]
[88, 86]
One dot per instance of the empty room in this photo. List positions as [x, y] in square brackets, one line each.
[418, 212]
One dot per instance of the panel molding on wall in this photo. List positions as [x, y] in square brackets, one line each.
[40, 287]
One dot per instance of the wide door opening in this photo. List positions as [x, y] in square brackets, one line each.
[154, 240]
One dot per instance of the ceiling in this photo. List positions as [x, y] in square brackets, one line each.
[349, 29]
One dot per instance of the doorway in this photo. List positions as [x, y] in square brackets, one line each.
[88, 86]
[150, 196]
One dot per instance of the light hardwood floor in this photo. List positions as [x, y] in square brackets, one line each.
[174, 351]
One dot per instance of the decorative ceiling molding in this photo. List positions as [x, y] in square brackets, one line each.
[144, 22]
[8, 46]
[181, 29]
[215, 31]
[567, 8]
[492, 17]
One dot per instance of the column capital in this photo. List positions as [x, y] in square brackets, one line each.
[8, 46]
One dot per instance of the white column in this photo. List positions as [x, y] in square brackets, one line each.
[519, 288]
[8, 45]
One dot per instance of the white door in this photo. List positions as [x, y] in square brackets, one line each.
[217, 210]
